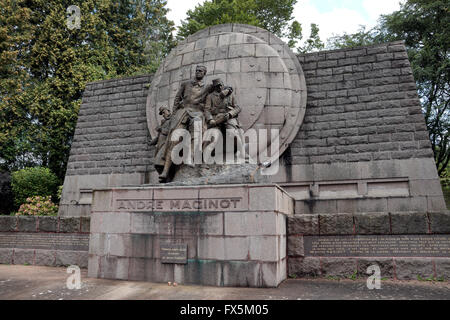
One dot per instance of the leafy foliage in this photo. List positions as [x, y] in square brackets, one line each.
[275, 16]
[31, 182]
[44, 67]
[272, 15]
[425, 27]
[38, 206]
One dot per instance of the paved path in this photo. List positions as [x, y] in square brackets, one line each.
[31, 282]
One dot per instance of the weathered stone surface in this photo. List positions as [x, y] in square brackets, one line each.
[85, 224]
[304, 267]
[67, 258]
[338, 267]
[442, 268]
[295, 246]
[250, 223]
[24, 256]
[94, 266]
[8, 223]
[372, 223]
[45, 258]
[6, 256]
[334, 224]
[386, 266]
[409, 223]
[440, 222]
[413, 268]
[218, 174]
[27, 224]
[303, 224]
[69, 225]
[48, 224]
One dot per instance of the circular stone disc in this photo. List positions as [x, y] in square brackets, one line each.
[265, 74]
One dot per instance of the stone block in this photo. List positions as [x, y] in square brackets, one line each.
[85, 224]
[372, 223]
[119, 245]
[386, 266]
[362, 205]
[204, 272]
[304, 267]
[336, 224]
[265, 248]
[303, 224]
[6, 256]
[23, 256]
[442, 268]
[425, 187]
[262, 199]
[102, 201]
[230, 248]
[114, 268]
[8, 223]
[143, 223]
[315, 206]
[93, 266]
[270, 275]
[26, 224]
[158, 272]
[295, 246]
[436, 203]
[250, 223]
[409, 223]
[180, 194]
[413, 268]
[68, 258]
[136, 269]
[407, 204]
[439, 222]
[229, 198]
[45, 258]
[211, 224]
[69, 225]
[115, 222]
[338, 267]
[48, 224]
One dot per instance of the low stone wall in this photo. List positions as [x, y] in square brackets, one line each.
[428, 257]
[44, 240]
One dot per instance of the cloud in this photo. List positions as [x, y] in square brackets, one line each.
[179, 8]
[376, 8]
[336, 21]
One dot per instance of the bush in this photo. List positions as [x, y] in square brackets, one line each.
[30, 182]
[38, 206]
[6, 196]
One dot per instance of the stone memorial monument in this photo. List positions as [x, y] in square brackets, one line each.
[336, 171]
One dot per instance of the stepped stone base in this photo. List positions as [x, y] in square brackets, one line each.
[228, 235]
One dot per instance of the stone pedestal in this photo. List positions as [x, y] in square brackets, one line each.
[235, 235]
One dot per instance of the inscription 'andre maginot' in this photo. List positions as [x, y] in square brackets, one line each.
[178, 204]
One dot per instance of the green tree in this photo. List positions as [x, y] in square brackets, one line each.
[31, 182]
[425, 27]
[44, 67]
[275, 16]
[272, 15]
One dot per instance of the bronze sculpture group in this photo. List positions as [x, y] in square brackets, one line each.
[209, 106]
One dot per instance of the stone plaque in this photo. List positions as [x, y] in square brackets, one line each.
[46, 241]
[173, 253]
[378, 246]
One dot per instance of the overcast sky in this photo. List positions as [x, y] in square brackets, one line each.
[332, 16]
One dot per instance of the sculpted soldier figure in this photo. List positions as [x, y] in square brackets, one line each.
[160, 140]
[188, 108]
[221, 111]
